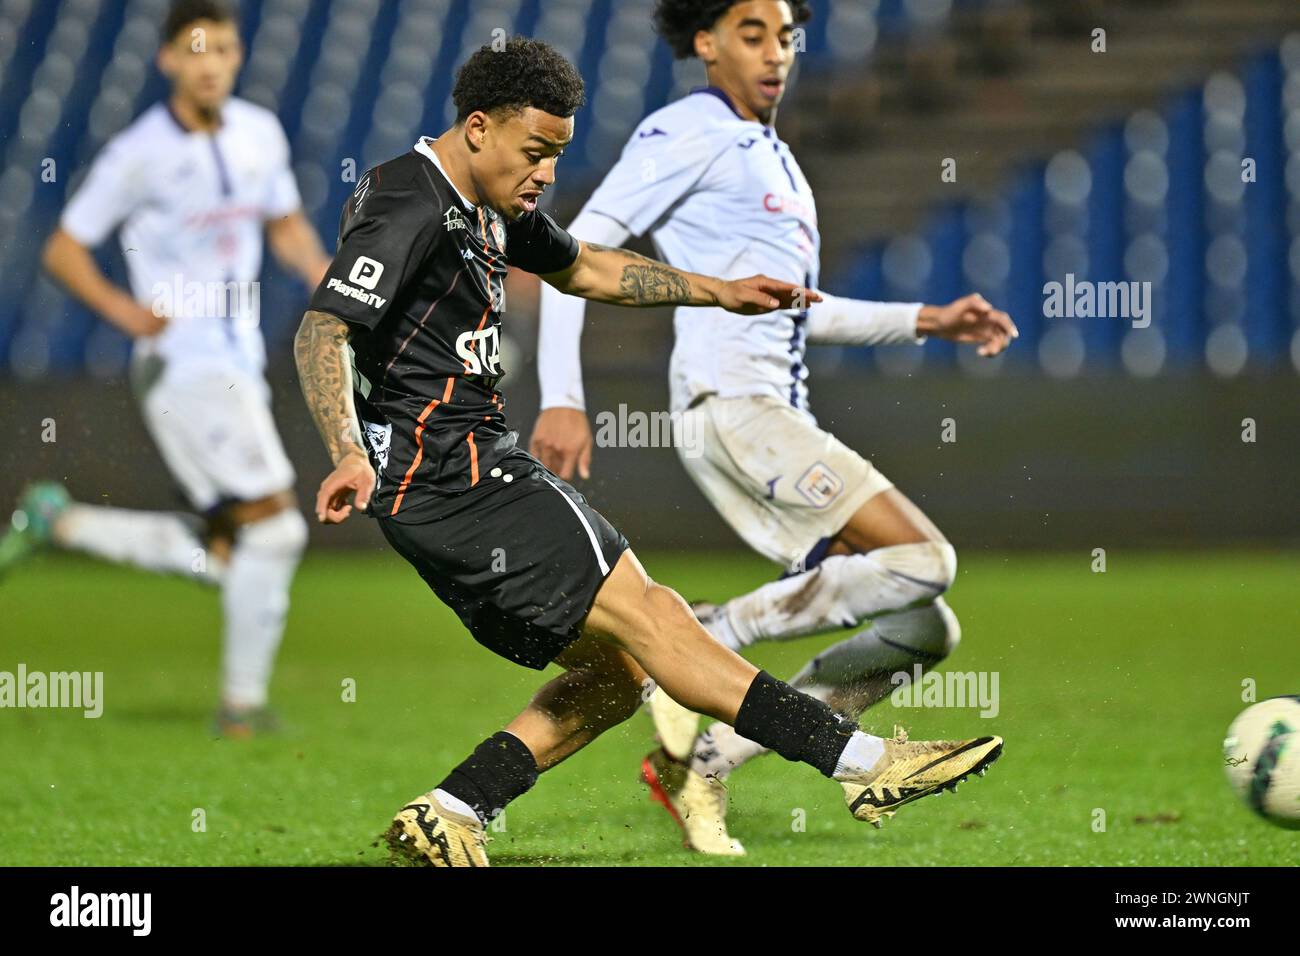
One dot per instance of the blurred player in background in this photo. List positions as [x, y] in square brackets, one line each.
[193, 183]
[720, 193]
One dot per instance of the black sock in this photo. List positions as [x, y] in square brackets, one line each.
[796, 726]
[500, 769]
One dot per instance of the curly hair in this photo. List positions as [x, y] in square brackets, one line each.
[512, 78]
[679, 20]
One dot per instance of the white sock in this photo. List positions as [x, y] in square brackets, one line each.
[840, 592]
[862, 753]
[255, 602]
[719, 750]
[457, 805]
[152, 540]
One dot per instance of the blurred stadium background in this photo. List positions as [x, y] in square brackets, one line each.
[1122, 165]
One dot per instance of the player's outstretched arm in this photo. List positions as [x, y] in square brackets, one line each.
[73, 267]
[626, 278]
[839, 321]
[320, 350]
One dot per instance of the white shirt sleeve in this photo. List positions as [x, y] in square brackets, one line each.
[559, 326]
[662, 162]
[836, 321]
[107, 195]
[282, 197]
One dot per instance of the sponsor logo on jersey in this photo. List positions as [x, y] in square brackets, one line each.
[790, 204]
[820, 485]
[481, 351]
[352, 292]
[646, 134]
[366, 272]
[454, 220]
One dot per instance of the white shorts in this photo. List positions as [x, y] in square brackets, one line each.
[777, 478]
[214, 428]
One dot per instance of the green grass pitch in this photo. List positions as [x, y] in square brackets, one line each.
[1115, 692]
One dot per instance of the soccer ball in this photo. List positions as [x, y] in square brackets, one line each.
[1262, 758]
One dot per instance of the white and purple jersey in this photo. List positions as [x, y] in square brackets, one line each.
[192, 208]
[723, 196]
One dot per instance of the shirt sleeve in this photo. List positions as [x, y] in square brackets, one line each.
[282, 197]
[382, 247]
[108, 194]
[560, 318]
[536, 243]
[661, 163]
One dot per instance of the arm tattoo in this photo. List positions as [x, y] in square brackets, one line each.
[650, 285]
[647, 282]
[320, 350]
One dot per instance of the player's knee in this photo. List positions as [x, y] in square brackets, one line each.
[929, 565]
[283, 534]
[947, 628]
[666, 612]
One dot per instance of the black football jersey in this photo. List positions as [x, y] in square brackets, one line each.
[419, 277]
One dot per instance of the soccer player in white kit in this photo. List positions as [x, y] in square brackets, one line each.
[192, 184]
[719, 192]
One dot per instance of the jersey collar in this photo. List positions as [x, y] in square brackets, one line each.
[167, 104]
[720, 94]
[424, 149]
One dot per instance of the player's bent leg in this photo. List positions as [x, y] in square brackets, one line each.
[858, 671]
[269, 538]
[841, 591]
[656, 627]
[163, 542]
[898, 581]
[600, 688]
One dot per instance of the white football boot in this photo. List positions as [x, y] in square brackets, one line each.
[697, 804]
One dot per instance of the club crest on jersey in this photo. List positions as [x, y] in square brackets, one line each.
[454, 220]
[380, 438]
[820, 485]
[499, 234]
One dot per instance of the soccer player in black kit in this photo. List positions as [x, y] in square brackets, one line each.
[399, 363]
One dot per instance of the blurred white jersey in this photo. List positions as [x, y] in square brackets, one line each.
[723, 196]
[192, 207]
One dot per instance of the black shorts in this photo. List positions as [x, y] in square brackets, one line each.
[519, 557]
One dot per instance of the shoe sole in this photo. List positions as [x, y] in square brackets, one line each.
[402, 850]
[986, 761]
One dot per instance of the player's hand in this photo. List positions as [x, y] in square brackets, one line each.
[562, 442]
[969, 319]
[758, 294]
[134, 319]
[353, 478]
